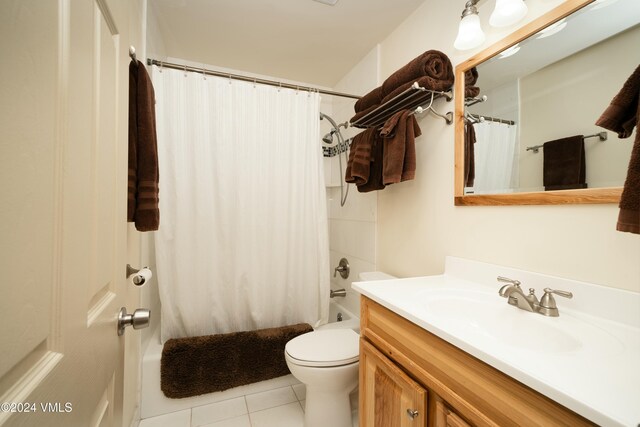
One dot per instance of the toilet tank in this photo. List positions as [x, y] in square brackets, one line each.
[369, 276]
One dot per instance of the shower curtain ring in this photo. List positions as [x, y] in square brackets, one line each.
[185, 70]
[254, 82]
[161, 66]
[204, 74]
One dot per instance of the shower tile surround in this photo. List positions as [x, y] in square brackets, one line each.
[278, 407]
[352, 227]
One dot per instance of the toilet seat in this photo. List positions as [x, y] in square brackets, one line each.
[325, 348]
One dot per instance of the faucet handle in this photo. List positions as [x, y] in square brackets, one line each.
[548, 305]
[515, 283]
[565, 294]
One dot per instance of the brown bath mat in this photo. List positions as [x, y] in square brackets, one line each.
[198, 365]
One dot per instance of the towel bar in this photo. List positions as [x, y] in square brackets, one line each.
[601, 135]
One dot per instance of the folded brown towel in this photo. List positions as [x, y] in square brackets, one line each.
[469, 155]
[372, 98]
[375, 173]
[142, 200]
[432, 64]
[564, 165]
[409, 166]
[621, 116]
[399, 155]
[358, 166]
[198, 365]
[394, 133]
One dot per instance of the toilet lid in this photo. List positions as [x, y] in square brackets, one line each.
[329, 347]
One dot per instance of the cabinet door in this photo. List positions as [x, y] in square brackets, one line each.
[388, 397]
[443, 416]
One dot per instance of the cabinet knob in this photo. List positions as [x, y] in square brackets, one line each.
[412, 413]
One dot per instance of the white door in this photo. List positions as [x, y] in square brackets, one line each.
[63, 171]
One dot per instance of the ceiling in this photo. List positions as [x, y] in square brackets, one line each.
[301, 40]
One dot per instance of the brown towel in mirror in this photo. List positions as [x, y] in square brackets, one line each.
[564, 165]
[621, 117]
[469, 155]
[432, 64]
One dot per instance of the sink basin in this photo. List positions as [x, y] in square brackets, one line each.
[489, 316]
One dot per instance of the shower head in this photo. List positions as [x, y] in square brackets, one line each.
[328, 138]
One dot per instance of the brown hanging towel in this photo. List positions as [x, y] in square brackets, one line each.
[621, 117]
[142, 197]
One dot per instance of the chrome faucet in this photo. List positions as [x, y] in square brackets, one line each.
[337, 293]
[515, 296]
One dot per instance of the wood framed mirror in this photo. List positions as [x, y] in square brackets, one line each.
[515, 86]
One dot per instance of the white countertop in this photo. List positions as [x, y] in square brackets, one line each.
[587, 359]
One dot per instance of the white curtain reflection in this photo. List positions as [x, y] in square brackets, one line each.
[496, 158]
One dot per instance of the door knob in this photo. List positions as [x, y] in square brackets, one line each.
[139, 319]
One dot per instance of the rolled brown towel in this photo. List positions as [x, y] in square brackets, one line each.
[470, 79]
[372, 98]
[432, 64]
[361, 114]
[422, 82]
[621, 117]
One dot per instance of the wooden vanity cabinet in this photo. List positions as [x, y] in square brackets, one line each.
[403, 366]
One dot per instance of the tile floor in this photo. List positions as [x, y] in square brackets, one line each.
[281, 407]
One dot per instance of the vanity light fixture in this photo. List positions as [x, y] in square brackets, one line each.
[507, 12]
[552, 29]
[470, 34]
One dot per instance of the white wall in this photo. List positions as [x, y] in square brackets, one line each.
[418, 225]
[352, 227]
[557, 107]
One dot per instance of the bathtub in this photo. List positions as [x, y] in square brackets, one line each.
[153, 402]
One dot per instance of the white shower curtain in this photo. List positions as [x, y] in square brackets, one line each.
[243, 238]
[496, 158]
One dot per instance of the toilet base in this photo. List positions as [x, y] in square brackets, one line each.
[327, 408]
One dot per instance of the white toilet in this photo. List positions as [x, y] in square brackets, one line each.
[326, 361]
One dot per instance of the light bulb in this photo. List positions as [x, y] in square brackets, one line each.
[470, 34]
[507, 12]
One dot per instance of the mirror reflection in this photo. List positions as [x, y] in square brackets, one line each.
[534, 119]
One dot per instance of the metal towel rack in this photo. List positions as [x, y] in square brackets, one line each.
[601, 135]
[415, 98]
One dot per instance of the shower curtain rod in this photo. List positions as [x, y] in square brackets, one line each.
[163, 64]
